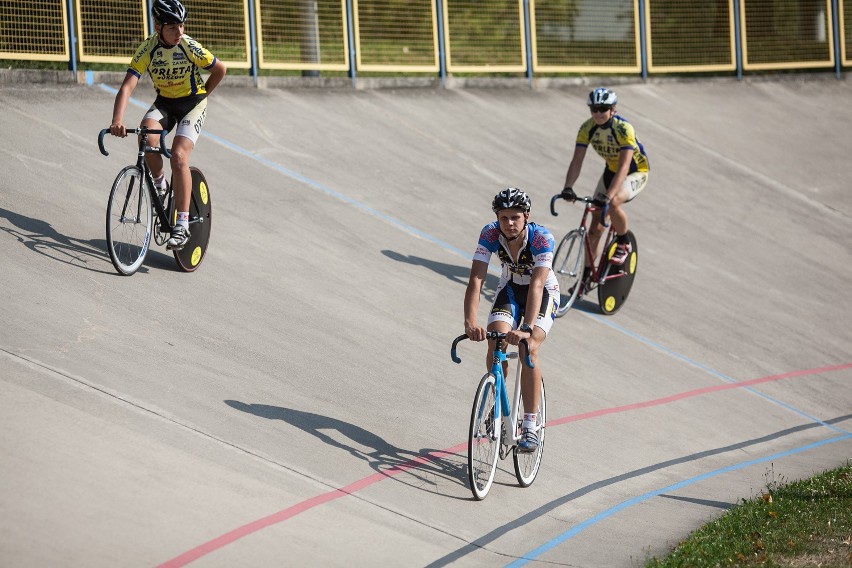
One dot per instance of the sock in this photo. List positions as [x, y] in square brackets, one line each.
[160, 181]
[529, 420]
[183, 218]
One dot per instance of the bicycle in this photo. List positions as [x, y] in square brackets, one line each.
[485, 441]
[136, 211]
[613, 282]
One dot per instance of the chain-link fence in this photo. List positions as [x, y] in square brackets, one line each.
[453, 36]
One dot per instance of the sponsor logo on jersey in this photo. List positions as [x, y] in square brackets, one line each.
[489, 235]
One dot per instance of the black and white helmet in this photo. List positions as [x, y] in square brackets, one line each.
[511, 198]
[168, 12]
[602, 96]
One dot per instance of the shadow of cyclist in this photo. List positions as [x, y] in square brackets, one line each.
[378, 453]
[39, 236]
[459, 274]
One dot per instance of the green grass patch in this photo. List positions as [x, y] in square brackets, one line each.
[803, 523]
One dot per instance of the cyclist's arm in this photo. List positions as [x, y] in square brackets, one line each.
[121, 98]
[478, 273]
[217, 73]
[576, 166]
[625, 158]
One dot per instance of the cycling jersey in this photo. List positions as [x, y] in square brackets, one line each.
[610, 139]
[174, 70]
[536, 250]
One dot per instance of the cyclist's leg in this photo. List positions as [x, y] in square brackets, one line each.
[633, 184]
[154, 119]
[531, 378]
[187, 133]
[596, 228]
[502, 319]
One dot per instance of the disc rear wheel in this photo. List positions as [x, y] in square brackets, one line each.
[200, 223]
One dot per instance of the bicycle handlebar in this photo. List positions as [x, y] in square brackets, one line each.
[162, 149]
[587, 199]
[492, 335]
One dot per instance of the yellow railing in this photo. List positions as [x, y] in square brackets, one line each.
[452, 36]
[39, 32]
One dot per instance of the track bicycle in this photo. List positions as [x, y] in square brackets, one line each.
[495, 425]
[574, 254]
[137, 211]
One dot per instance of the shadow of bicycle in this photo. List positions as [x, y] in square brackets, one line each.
[40, 237]
[458, 274]
[421, 468]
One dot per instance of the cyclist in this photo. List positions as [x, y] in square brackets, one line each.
[626, 171]
[173, 60]
[525, 251]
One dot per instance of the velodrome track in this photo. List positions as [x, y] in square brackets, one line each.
[294, 401]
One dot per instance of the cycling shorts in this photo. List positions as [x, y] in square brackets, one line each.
[633, 184]
[188, 113]
[510, 305]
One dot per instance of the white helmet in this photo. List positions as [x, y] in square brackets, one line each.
[602, 96]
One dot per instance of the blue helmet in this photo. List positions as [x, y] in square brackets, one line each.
[602, 96]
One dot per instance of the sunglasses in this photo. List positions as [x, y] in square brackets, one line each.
[600, 108]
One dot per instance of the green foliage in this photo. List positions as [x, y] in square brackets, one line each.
[809, 519]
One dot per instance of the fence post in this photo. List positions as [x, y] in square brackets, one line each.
[253, 41]
[72, 41]
[528, 41]
[442, 56]
[349, 23]
[643, 43]
[738, 46]
[835, 24]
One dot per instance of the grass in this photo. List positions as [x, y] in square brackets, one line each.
[798, 524]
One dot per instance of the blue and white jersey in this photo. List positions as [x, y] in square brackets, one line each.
[537, 250]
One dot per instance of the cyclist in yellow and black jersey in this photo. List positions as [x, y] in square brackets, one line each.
[626, 171]
[174, 62]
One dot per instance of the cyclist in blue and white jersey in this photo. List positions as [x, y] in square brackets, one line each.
[525, 251]
[173, 60]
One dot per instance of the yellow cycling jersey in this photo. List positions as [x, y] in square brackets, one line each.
[610, 139]
[174, 70]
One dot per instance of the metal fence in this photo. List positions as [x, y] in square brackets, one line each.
[444, 37]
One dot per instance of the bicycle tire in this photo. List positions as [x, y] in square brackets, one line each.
[614, 291]
[483, 443]
[128, 236]
[527, 464]
[568, 264]
[200, 218]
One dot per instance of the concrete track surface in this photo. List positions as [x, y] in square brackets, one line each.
[293, 401]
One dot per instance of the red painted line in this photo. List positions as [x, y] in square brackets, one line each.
[696, 392]
[283, 515]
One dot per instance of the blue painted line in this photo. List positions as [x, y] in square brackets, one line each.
[533, 554]
[321, 187]
[446, 246]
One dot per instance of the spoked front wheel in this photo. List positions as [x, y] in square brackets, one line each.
[200, 224]
[527, 463]
[568, 264]
[483, 445]
[128, 221]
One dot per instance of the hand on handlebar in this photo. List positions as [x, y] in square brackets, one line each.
[118, 129]
[568, 194]
[474, 332]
